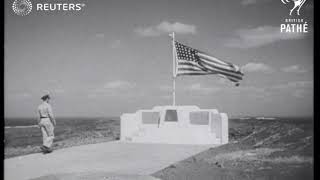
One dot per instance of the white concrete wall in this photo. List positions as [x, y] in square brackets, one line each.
[181, 132]
[216, 124]
[224, 128]
[128, 125]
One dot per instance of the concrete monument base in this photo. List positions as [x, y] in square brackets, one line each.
[175, 125]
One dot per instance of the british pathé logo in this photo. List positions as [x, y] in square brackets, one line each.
[294, 25]
[22, 7]
[297, 5]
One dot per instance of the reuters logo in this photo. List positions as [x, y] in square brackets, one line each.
[22, 7]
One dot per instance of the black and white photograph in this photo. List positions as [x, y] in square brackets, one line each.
[158, 89]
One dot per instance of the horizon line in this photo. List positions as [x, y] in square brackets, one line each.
[230, 117]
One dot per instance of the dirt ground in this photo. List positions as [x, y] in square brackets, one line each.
[257, 150]
[110, 160]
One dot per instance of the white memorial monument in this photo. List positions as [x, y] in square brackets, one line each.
[183, 124]
[175, 125]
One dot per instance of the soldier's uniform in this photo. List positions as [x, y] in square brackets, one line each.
[46, 123]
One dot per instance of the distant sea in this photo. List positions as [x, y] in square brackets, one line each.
[32, 122]
[32, 126]
[275, 118]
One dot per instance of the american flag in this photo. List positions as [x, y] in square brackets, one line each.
[194, 62]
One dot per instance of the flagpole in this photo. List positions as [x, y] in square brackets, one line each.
[173, 71]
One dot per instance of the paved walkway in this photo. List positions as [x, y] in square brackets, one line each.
[111, 157]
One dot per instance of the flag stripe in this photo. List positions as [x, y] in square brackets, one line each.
[193, 62]
[189, 62]
[213, 67]
[205, 56]
[206, 64]
[226, 74]
[190, 69]
[227, 68]
[222, 71]
[191, 65]
[192, 73]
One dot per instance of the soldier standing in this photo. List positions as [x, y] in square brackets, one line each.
[46, 122]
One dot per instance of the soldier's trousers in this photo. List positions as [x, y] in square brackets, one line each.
[47, 130]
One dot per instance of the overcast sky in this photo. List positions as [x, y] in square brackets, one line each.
[115, 56]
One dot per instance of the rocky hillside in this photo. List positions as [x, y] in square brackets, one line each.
[258, 149]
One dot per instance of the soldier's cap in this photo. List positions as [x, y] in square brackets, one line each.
[46, 95]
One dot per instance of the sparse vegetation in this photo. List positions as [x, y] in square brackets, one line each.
[257, 149]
